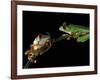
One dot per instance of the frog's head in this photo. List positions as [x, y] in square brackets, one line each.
[65, 28]
[40, 40]
[68, 30]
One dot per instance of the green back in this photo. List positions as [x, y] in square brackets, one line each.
[76, 28]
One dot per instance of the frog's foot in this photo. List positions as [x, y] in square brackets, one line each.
[68, 38]
[32, 59]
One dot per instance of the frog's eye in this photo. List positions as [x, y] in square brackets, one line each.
[35, 42]
[35, 47]
[64, 24]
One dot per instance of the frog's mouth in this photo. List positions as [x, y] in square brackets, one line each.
[69, 33]
[81, 33]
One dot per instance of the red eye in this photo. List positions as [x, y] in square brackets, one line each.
[30, 55]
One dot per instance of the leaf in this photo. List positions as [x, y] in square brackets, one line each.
[83, 38]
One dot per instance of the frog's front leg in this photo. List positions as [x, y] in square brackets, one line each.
[76, 35]
[65, 36]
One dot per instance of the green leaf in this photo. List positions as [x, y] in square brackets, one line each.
[83, 38]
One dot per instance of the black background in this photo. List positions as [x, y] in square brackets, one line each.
[64, 53]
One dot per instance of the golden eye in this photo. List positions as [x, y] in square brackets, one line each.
[35, 42]
[36, 47]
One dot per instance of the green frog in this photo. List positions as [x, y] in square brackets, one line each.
[80, 33]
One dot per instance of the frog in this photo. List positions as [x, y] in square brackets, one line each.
[78, 32]
[40, 45]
